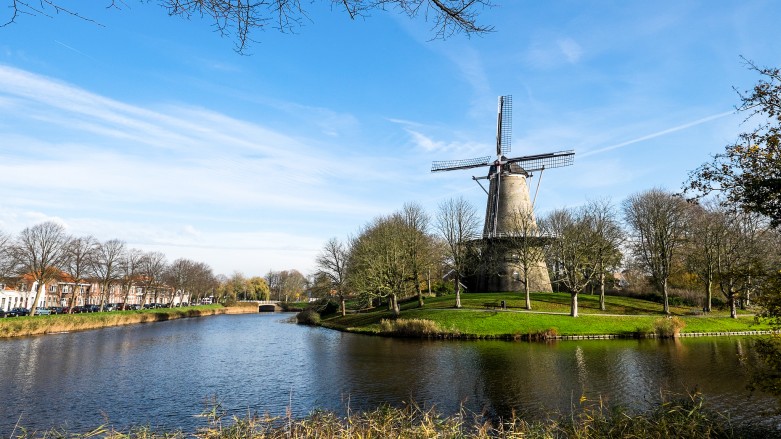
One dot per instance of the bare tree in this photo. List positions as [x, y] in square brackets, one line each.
[153, 265]
[78, 260]
[129, 269]
[239, 20]
[705, 236]
[177, 275]
[571, 251]
[6, 261]
[525, 243]
[457, 224]
[274, 281]
[39, 251]
[106, 266]
[743, 256]
[609, 238]
[204, 281]
[658, 221]
[332, 263]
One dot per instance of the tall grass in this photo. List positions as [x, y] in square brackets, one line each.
[412, 328]
[679, 418]
[668, 327]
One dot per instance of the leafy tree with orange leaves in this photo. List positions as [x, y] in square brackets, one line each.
[748, 172]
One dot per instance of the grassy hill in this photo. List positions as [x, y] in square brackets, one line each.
[482, 317]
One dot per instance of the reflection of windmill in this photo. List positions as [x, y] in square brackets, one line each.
[507, 193]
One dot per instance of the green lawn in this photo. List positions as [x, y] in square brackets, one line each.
[479, 316]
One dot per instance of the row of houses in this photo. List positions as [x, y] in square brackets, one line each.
[65, 291]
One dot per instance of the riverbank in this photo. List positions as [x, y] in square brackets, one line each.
[52, 324]
[482, 317]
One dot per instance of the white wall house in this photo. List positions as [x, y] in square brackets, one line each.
[17, 296]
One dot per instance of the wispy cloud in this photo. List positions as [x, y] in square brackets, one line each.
[570, 49]
[551, 51]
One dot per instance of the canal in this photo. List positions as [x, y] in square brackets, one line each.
[165, 374]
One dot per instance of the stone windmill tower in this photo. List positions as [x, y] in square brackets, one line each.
[508, 199]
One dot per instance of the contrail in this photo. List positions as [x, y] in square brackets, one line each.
[74, 49]
[660, 133]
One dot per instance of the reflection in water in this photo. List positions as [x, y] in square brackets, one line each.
[164, 374]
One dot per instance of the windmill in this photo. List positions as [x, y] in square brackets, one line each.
[508, 193]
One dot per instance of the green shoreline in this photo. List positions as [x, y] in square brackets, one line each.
[54, 324]
[481, 317]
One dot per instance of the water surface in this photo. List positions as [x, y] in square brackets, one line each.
[164, 374]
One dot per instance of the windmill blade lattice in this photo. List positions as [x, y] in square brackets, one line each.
[450, 165]
[504, 130]
[538, 162]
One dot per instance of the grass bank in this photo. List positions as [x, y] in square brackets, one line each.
[38, 325]
[681, 418]
[482, 317]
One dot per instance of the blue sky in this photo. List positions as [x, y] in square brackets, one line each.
[151, 129]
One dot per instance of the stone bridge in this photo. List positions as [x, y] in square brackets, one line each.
[269, 306]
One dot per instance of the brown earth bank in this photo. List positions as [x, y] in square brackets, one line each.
[39, 325]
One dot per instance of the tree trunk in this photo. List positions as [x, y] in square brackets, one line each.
[458, 293]
[602, 291]
[733, 311]
[126, 298]
[664, 296]
[38, 291]
[528, 295]
[72, 302]
[144, 295]
[395, 305]
[708, 294]
[419, 290]
[104, 295]
[574, 305]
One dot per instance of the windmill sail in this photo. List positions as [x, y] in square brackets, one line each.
[550, 160]
[504, 126]
[451, 165]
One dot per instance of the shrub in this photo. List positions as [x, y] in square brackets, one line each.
[542, 335]
[308, 317]
[443, 289]
[668, 327]
[679, 297]
[327, 306]
[410, 327]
